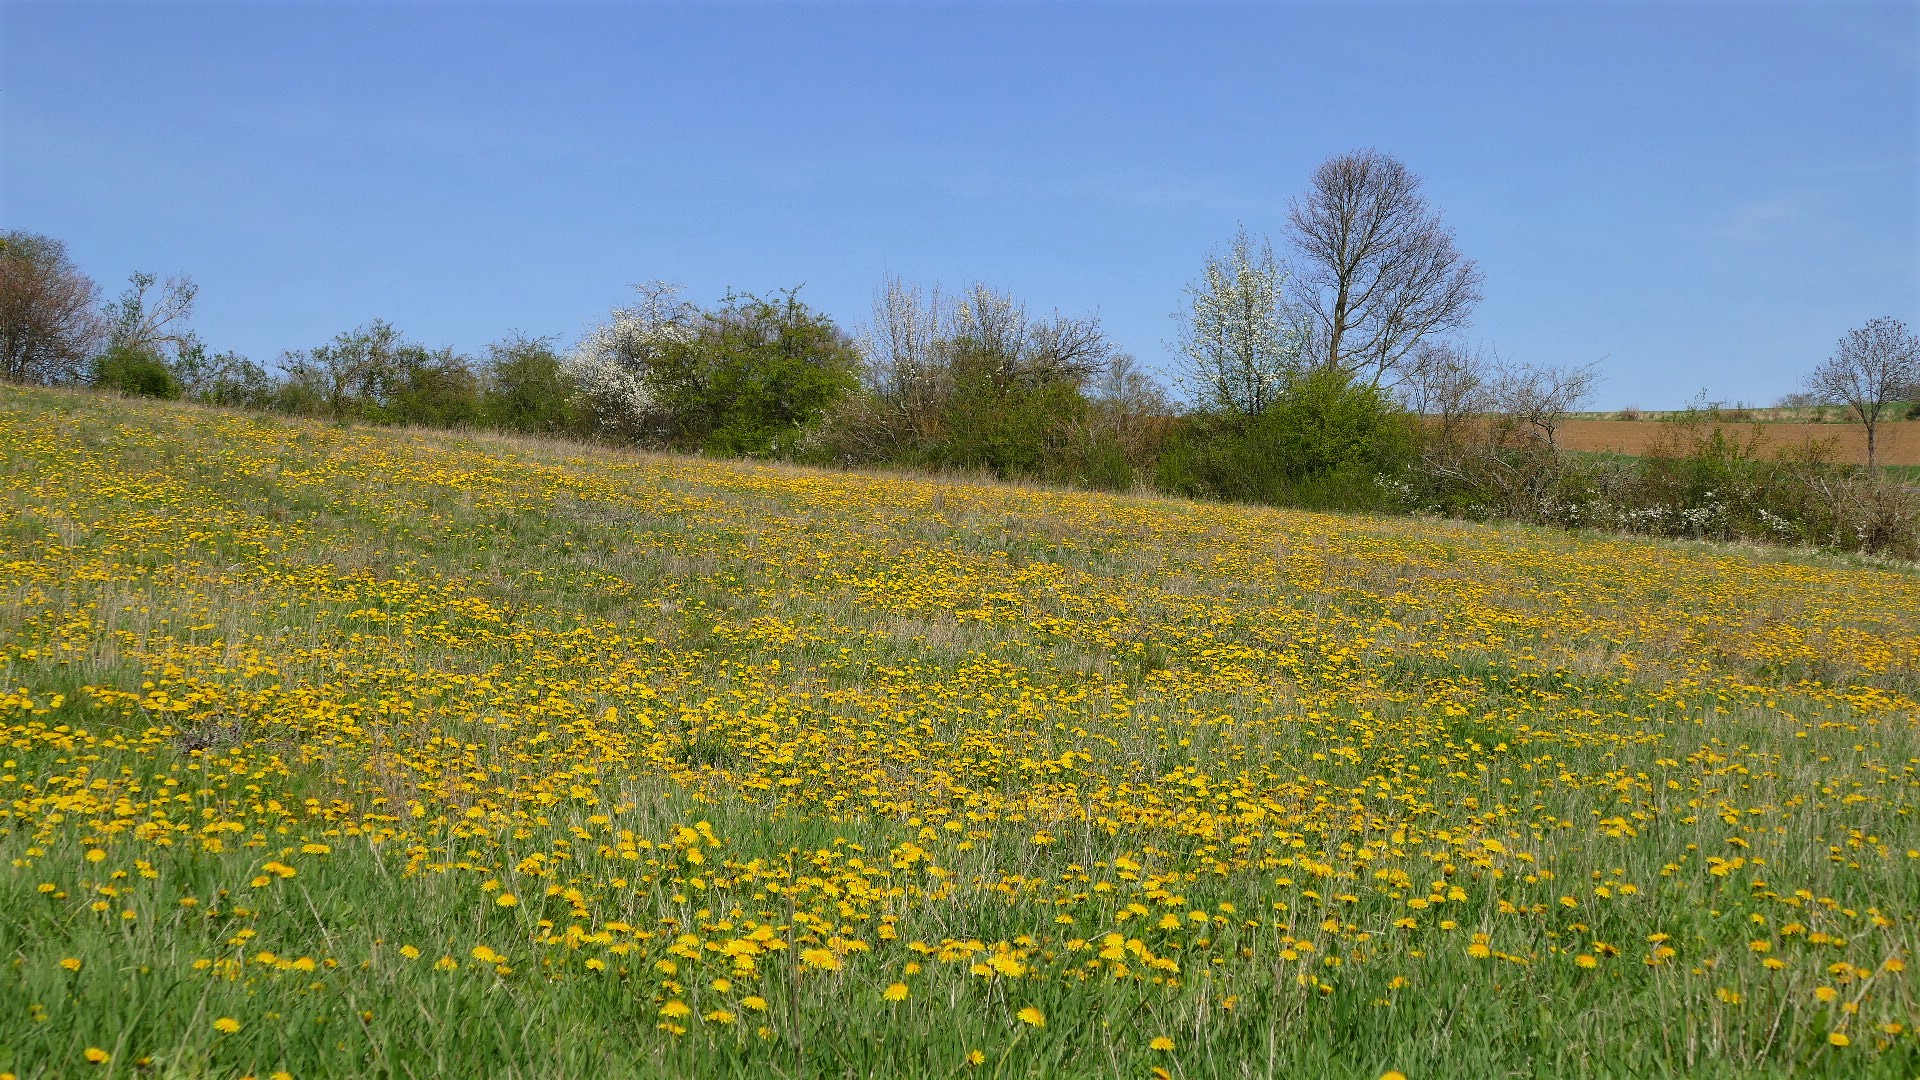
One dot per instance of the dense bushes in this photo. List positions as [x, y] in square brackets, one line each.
[751, 377]
[1709, 478]
[133, 371]
[976, 383]
[1323, 442]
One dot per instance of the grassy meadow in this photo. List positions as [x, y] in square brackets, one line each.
[341, 752]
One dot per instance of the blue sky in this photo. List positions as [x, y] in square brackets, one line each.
[1702, 196]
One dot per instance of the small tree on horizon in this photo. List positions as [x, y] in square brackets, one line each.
[1872, 367]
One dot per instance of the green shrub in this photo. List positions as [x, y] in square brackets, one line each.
[526, 390]
[1323, 443]
[752, 377]
[135, 372]
[428, 388]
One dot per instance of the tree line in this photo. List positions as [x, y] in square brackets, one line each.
[1330, 374]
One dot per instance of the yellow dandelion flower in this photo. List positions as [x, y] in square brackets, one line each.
[226, 1025]
[1160, 1043]
[821, 959]
[896, 992]
[71, 963]
[1033, 1016]
[506, 899]
[97, 1056]
[675, 1009]
[1839, 1038]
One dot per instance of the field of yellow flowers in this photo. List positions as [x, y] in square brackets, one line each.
[341, 752]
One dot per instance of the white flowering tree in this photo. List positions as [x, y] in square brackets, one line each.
[1243, 342]
[609, 367]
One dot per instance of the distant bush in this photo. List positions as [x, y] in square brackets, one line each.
[752, 376]
[977, 383]
[134, 371]
[525, 389]
[1708, 477]
[1324, 442]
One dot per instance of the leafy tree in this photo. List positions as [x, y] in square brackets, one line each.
[222, 378]
[977, 381]
[48, 324]
[429, 388]
[1321, 443]
[1327, 421]
[135, 371]
[997, 419]
[751, 376]
[527, 389]
[372, 373]
[346, 376]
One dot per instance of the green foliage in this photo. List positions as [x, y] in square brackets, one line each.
[1322, 443]
[134, 371]
[754, 374]
[372, 373]
[526, 390]
[1708, 478]
[221, 378]
[1000, 422]
[429, 388]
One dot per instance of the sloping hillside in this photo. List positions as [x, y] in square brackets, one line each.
[348, 752]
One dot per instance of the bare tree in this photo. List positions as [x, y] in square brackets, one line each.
[1871, 368]
[916, 335]
[48, 323]
[155, 327]
[1535, 400]
[1449, 386]
[1378, 269]
[1027, 349]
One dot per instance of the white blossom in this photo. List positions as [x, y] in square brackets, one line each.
[1242, 340]
[610, 364]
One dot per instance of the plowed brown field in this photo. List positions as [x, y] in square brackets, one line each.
[1897, 443]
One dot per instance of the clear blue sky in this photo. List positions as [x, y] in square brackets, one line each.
[1706, 195]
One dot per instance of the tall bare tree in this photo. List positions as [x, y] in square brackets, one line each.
[1378, 269]
[49, 326]
[1871, 368]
